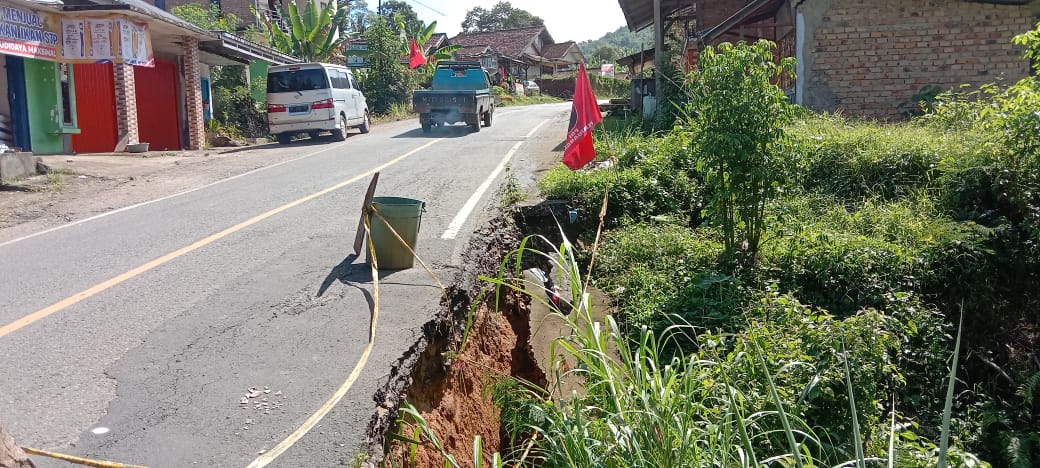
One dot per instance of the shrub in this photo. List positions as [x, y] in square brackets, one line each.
[386, 82]
[607, 87]
[739, 116]
[652, 178]
[658, 272]
[845, 259]
[234, 108]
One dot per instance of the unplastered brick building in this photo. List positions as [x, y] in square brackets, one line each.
[863, 57]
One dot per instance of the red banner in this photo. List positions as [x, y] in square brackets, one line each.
[585, 114]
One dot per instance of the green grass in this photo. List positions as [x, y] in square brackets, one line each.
[398, 111]
[510, 193]
[527, 100]
[857, 159]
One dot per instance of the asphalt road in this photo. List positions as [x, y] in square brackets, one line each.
[152, 323]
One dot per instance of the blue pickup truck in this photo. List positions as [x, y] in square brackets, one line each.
[460, 92]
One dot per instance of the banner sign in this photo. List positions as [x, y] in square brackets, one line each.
[31, 33]
[28, 33]
[106, 39]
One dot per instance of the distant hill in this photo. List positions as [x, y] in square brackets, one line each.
[613, 45]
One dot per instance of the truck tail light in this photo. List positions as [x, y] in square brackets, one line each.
[323, 104]
[275, 108]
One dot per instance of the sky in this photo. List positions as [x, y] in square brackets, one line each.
[566, 20]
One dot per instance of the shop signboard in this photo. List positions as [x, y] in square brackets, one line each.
[29, 33]
[106, 39]
[41, 34]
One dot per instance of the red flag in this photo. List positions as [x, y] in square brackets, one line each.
[584, 116]
[415, 57]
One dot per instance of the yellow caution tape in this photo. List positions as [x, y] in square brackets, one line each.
[78, 460]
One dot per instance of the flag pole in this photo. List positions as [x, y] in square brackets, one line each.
[606, 198]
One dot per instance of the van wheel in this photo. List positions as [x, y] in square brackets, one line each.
[340, 133]
[487, 119]
[366, 125]
[284, 138]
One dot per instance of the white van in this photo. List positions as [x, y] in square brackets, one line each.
[314, 98]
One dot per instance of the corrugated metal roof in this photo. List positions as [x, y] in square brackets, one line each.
[640, 13]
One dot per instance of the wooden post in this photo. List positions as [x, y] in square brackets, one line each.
[658, 55]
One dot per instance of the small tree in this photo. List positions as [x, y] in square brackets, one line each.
[739, 117]
[387, 81]
[210, 19]
[313, 36]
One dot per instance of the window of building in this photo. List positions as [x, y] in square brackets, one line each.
[68, 117]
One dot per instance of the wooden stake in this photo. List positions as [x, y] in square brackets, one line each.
[365, 208]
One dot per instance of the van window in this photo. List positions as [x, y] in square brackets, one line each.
[353, 82]
[287, 81]
[340, 79]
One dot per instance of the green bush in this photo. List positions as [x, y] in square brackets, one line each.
[845, 259]
[234, 108]
[738, 115]
[607, 87]
[662, 271]
[652, 178]
[387, 82]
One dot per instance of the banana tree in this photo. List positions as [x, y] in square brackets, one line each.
[313, 36]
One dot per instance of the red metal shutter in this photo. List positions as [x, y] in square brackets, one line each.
[158, 121]
[95, 108]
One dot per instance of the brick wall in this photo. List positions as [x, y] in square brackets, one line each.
[126, 102]
[193, 94]
[868, 56]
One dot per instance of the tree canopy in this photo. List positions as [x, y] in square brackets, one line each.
[358, 15]
[208, 18]
[397, 12]
[501, 16]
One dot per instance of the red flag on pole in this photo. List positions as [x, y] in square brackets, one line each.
[585, 114]
[415, 56]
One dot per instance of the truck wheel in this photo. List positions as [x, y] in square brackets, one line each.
[284, 138]
[474, 121]
[425, 126]
[487, 119]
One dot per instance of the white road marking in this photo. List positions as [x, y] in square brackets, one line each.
[463, 214]
[157, 200]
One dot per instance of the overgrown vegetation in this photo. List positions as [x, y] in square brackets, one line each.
[315, 35]
[832, 343]
[236, 114]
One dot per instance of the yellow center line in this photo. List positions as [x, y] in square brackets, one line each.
[100, 287]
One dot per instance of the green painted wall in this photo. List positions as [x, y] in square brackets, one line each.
[41, 84]
[258, 70]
